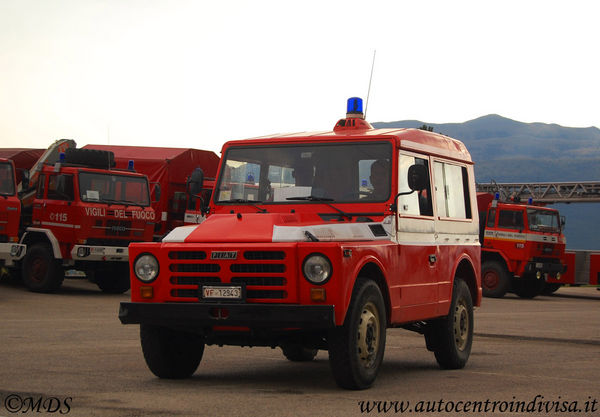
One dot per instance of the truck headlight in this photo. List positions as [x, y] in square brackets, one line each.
[316, 268]
[146, 267]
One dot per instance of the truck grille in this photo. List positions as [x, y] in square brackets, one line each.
[264, 273]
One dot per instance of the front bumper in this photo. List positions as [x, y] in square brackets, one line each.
[274, 316]
[550, 268]
[12, 252]
[99, 253]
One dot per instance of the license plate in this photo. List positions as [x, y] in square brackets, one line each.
[211, 292]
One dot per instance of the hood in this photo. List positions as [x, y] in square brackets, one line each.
[276, 227]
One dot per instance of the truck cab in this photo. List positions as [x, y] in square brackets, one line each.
[11, 250]
[522, 246]
[84, 215]
[315, 241]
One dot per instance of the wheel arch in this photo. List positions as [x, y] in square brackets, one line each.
[373, 271]
[467, 271]
[35, 235]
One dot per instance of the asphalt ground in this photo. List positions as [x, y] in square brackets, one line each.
[68, 354]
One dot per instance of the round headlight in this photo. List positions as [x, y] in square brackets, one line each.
[146, 267]
[317, 268]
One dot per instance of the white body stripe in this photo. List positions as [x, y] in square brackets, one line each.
[179, 234]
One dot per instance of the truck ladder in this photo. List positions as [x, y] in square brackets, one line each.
[546, 192]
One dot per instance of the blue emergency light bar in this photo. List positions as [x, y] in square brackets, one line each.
[130, 165]
[355, 105]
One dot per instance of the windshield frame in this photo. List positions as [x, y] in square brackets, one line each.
[10, 186]
[291, 159]
[96, 198]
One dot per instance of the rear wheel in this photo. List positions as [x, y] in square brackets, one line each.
[528, 286]
[495, 280]
[115, 279]
[451, 337]
[41, 272]
[356, 348]
[298, 353]
[171, 353]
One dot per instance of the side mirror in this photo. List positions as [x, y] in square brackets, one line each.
[563, 221]
[196, 181]
[25, 179]
[157, 192]
[417, 177]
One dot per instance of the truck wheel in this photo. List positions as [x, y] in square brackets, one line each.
[528, 286]
[170, 353]
[356, 348]
[90, 157]
[451, 337]
[41, 272]
[298, 353]
[550, 288]
[114, 280]
[495, 281]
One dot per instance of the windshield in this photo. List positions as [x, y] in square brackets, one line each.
[113, 189]
[348, 172]
[543, 220]
[7, 179]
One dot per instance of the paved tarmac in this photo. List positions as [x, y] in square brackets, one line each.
[69, 352]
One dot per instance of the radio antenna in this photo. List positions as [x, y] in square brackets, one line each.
[370, 78]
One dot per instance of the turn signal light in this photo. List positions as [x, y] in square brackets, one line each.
[146, 292]
[317, 294]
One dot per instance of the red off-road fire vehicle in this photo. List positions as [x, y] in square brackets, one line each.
[319, 241]
[10, 215]
[82, 216]
[522, 247]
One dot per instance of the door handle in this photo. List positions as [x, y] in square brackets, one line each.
[432, 259]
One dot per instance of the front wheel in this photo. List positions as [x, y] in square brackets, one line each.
[528, 286]
[115, 279]
[356, 348]
[41, 272]
[169, 353]
[495, 280]
[451, 337]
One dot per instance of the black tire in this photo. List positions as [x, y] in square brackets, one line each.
[495, 279]
[528, 286]
[90, 157]
[551, 288]
[451, 337]
[115, 279]
[356, 348]
[298, 353]
[41, 272]
[170, 353]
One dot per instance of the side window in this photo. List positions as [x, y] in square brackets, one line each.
[41, 186]
[60, 187]
[510, 219]
[452, 191]
[491, 218]
[419, 202]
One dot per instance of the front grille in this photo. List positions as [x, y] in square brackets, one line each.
[118, 228]
[187, 255]
[261, 272]
[194, 268]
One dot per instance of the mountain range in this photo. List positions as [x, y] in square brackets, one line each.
[505, 150]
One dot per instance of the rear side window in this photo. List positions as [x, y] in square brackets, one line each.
[60, 187]
[452, 191]
[491, 218]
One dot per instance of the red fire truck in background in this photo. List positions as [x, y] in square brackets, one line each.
[522, 246]
[319, 241]
[583, 268]
[81, 214]
[173, 174]
[10, 216]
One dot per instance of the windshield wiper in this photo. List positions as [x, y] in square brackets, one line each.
[253, 203]
[325, 201]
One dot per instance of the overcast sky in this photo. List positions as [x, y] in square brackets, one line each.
[197, 73]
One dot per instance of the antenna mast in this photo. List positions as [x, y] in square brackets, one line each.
[370, 78]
